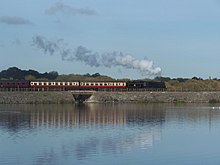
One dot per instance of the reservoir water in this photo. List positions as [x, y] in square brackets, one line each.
[107, 134]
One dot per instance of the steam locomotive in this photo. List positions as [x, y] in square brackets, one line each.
[82, 85]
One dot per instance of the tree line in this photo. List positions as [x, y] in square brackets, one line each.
[14, 73]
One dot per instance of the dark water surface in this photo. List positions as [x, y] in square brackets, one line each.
[99, 134]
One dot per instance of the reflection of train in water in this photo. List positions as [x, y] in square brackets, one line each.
[91, 127]
[82, 85]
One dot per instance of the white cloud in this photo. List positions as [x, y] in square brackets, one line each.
[14, 20]
[68, 10]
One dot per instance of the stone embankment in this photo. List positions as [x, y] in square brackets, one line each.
[62, 97]
[36, 97]
[156, 97]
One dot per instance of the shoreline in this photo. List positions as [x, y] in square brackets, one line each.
[65, 97]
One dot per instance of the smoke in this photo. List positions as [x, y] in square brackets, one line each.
[79, 54]
[93, 59]
[45, 45]
[68, 10]
[87, 56]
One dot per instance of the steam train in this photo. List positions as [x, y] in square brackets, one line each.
[82, 85]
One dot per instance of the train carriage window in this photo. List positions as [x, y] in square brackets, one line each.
[56, 83]
[49, 83]
[39, 83]
[61, 83]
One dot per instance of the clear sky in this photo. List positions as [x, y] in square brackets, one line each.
[119, 38]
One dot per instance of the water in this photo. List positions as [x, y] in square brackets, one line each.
[106, 134]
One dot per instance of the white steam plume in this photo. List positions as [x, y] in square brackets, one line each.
[91, 58]
[144, 66]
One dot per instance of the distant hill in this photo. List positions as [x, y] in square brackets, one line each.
[15, 73]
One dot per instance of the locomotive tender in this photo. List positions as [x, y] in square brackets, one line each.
[82, 85]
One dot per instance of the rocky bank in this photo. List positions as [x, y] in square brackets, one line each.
[156, 97]
[59, 97]
[62, 97]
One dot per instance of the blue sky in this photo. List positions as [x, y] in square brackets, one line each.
[125, 38]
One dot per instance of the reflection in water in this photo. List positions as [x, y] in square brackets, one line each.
[74, 133]
[95, 128]
[31, 116]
